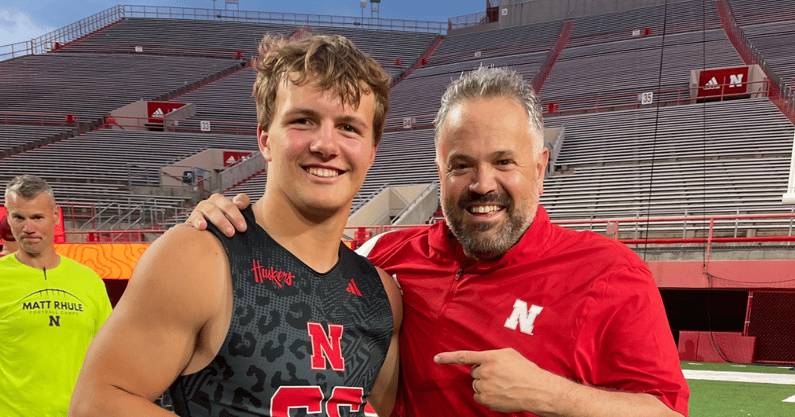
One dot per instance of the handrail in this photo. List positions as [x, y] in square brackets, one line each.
[298, 19]
[467, 20]
[74, 31]
[595, 104]
[38, 118]
[184, 125]
[709, 239]
[423, 121]
[632, 101]
[151, 49]
[69, 211]
[131, 231]
[62, 36]
[99, 213]
[612, 228]
[778, 93]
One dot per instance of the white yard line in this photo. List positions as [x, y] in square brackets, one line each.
[778, 379]
[790, 399]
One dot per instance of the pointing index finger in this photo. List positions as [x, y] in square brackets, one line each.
[460, 357]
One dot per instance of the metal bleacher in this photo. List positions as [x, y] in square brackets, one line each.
[16, 138]
[496, 43]
[681, 17]
[91, 85]
[406, 99]
[102, 165]
[224, 38]
[728, 157]
[629, 67]
[715, 158]
[776, 42]
[751, 12]
[193, 61]
[226, 100]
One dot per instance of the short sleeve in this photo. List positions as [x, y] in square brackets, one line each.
[626, 343]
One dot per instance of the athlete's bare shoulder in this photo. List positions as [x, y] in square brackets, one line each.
[187, 266]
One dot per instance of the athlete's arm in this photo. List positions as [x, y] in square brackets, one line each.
[223, 212]
[508, 382]
[175, 293]
[382, 396]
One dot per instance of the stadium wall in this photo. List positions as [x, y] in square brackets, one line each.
[729, 274]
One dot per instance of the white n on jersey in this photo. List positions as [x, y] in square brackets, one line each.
[523, 317]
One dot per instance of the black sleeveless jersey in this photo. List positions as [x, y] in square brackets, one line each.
[299, 342]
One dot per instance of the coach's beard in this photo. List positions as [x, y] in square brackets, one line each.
[487, 241]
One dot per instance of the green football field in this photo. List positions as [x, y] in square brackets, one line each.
[728, 390]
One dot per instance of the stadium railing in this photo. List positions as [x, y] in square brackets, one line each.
[62, 36]
[714, 229]
[597, 104]
[675, 97]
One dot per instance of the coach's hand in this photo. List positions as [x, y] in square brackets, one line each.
[505, 381]
[223, 212]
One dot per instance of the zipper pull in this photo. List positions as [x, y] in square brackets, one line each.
[45, 272]
[458, 275]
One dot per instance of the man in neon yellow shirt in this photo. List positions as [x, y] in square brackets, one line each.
[50, 308]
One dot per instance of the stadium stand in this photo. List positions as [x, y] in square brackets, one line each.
[705, 158]
[751, 12]
[632, 40]
[776, 42]
[502, 42]
[646, 21]
[91, 85]
[580, 72]
[224, 39]
[16, 138]
[177, 36]
[199, 62]
[101, 166]
[225, 100]
[620, 161]
[420, 93]
[602, 151]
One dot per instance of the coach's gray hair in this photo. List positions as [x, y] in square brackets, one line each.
[28, 187]
[493, 82]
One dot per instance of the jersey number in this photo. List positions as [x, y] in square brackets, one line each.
[311, 399]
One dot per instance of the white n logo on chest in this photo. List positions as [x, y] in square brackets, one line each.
[523, 317]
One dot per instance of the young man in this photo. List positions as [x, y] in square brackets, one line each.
[50, 308]
[282, 317]
[504, 311]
